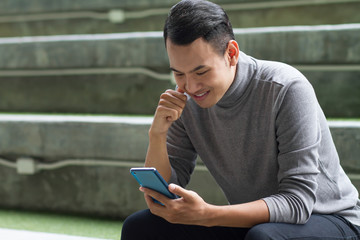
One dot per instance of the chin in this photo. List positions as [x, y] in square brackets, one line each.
[205, 105]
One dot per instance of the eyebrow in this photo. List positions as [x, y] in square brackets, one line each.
[194, 70]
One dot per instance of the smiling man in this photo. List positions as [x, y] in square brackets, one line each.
[259, 130]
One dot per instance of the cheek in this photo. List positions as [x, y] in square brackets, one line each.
[220, 85]
[215, 80]
[224, 78]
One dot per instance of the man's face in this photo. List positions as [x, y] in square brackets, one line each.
[200, 71]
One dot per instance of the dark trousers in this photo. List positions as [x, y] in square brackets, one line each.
[144, 225]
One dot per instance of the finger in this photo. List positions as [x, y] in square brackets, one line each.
[154, 207]
[158, 196]
[179, 93]
[182, 96]
[175, 97]
[184, 93]
[148, 200]
[171, 105]
[169, 113]
[180, 90]
[176, 189]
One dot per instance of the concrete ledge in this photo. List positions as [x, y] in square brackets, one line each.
[102, 189]
[58, 137]
[337, 91]
[91, 190]
[346, 135]
[24, 18]
[303, 44]
[331, 44]
[94, 93]
[36, 6]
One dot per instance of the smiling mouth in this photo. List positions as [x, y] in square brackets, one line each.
[201, 96]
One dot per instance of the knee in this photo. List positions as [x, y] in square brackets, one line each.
[134, 226]
[259, 232]
[128, 228]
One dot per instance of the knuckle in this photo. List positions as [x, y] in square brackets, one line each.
[173, 112]
[174, 208]
[164, 95]
[159, 109]
[193, 194]
[162, 101]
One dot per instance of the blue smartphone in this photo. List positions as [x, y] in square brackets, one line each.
[151, 178]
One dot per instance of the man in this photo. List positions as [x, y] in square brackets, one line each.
[260, 131]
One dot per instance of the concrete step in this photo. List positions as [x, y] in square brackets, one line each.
[83, 163]
[125, 73]
[41, 17]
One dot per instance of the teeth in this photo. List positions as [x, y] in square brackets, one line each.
[202, 94]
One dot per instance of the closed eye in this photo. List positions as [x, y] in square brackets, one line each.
[202, 73]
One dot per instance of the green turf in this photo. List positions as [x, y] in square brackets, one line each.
[343, 119]
[61, 224]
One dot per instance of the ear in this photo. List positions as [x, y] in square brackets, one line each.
[232, 52]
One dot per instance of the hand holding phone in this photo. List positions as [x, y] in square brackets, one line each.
[151, 178]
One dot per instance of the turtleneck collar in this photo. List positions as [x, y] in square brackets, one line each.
[245, 70]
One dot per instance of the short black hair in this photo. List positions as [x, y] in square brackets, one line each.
[189, 20]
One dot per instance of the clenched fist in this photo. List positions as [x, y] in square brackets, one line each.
[169, 109]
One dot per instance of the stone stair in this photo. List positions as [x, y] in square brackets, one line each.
[124, 73]
[83, 163]
[108, 57]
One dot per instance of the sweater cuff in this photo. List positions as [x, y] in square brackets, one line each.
[271, 206]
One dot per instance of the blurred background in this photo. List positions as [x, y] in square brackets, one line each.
[80, 80]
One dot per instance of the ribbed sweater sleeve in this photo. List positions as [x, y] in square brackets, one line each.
[182, 154]
[298, 135]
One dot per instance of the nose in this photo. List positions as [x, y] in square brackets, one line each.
[191, 85]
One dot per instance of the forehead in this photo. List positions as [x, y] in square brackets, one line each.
[184, 58]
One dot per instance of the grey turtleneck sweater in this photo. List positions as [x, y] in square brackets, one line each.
[267, 138]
